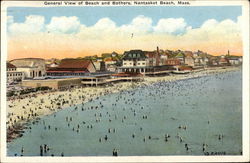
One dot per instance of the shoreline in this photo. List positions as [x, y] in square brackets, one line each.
[22, 111]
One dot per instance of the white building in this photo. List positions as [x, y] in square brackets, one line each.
[32, 67]
[234, 61]
[13, 74]
[134, 61]
[189, 61]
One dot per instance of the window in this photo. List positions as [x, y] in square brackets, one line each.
[143, 63]
[124, 63]
[138, 63]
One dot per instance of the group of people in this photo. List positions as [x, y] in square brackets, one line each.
[127, 108]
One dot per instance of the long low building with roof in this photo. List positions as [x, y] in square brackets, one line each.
[64, 83]
[72, 67]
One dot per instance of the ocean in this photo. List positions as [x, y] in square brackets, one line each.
[197, 116]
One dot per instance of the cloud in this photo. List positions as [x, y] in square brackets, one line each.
[32, 24]
[64, 24]
[171, 26]
[71, 38]
[216, 31]
[10, 19]
[104, 23]
[103, 28]
[140, 24]
[211, 23]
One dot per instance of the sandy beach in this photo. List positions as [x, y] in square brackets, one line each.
[34, 106]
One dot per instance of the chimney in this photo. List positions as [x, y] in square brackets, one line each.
[157, 57]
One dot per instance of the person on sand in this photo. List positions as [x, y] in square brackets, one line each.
[22, 150]
[115, 152]
[41, 150]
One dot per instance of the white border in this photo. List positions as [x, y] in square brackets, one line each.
[245, 90]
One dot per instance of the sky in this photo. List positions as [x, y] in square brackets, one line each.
[59, 32]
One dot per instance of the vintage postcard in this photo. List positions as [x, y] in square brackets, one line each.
[124, 81]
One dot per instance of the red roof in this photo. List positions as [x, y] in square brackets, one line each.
[188, 54]
[9, 65]
[60, 71]
[151, 54]
[224, 60]
[173, 61]
[182, 68]
[74, 63]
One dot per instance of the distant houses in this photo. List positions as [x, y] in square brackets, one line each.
[201, 59]
[138, 61]
[111, 64]
[99, 65]
[224, 61]
[130, 63]
[181, 57]
[173, 62]
[188, 58]
[233, 60]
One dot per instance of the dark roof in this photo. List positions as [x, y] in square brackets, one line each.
[134, 54]
[9, 65]
[74, 63]
[232, 57]
[66, 69]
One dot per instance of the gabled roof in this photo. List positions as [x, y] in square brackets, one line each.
[110, 59]
[223, 60]
[114, 53]
[9, 65]
[188, 54]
